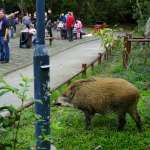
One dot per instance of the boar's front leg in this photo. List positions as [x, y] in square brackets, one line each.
[88, 117]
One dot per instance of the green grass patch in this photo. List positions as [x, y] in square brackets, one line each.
[68, 129]
[67, 124]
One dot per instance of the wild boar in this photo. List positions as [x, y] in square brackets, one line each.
[103, 95]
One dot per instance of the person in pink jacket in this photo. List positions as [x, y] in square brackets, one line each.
[78, 26]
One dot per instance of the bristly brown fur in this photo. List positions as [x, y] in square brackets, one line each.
[102, 95]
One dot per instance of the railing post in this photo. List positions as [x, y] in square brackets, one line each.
[92, 67]
[100, 58]
[105, 55]
[84, 70]
[68, 82]
[129, 43]
[125, 51]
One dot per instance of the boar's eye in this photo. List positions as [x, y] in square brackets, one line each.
[57, 104]
[64, 95]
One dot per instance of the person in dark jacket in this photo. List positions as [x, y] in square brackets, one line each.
[49, 29]
[4, 39]
[62, 18]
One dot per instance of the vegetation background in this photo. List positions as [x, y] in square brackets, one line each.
[111, 11]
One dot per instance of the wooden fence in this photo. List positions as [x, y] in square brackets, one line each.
[83, 71]
[128, 40]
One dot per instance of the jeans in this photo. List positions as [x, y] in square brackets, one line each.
[51, 35]
[4, 50]
[70, 34]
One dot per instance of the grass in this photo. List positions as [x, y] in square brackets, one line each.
[26, 132]
[67, 124]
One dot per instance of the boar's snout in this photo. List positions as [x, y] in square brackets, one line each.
[63, 101]
[59, 101]
[57, 104]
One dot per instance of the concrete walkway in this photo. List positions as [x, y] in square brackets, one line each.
[63, 66]
[22, 57]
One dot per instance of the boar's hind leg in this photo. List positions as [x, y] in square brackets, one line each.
[121, 120]
[136, 117]
[88, 117]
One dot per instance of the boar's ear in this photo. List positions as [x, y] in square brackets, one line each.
[76, 86]
[70, 92]
[73, 90]
[72, 87]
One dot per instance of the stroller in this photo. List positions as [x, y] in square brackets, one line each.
[63, 32]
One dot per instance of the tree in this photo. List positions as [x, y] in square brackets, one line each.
[124, 11]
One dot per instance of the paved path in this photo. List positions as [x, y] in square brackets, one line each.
[63, 66]
[21, 57]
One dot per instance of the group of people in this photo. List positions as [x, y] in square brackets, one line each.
[29, 22]
[69, 27]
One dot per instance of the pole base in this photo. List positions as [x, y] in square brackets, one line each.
[53, 147]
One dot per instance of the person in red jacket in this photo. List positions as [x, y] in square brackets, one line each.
[70, 24]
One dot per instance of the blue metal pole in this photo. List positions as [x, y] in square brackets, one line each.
[40, 12]
[41, 81]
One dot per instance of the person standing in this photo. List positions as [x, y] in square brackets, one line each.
[27, 20]
[79, 29]
[49, 26]
[70, 24]
[4, 38]
[49, 14]
[49, 29]
[62, 18]
[12, 26]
